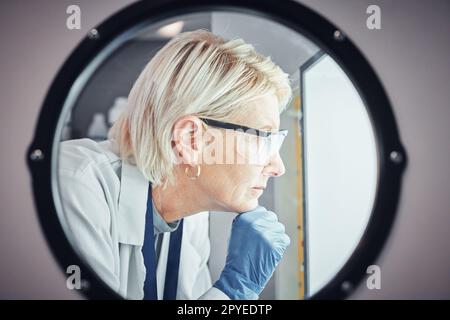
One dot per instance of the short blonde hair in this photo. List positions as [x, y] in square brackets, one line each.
[196, 73]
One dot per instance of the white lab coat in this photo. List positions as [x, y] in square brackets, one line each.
[104, 204]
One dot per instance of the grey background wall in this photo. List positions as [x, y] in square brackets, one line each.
[410, 54]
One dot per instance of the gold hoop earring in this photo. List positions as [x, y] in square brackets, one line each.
[186, 172]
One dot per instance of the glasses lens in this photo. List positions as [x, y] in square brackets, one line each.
[267, 147]
[259, 150]
[276, 141]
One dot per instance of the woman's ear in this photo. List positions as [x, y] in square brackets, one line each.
[186, 140]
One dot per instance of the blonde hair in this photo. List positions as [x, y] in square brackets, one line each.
[195, 73]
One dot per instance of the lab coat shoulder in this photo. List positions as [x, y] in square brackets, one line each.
[76, 156]
[86, 172]
[87, 195]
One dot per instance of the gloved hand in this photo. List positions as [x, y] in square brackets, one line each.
[256, 245]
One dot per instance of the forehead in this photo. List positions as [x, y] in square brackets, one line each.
[262, 112]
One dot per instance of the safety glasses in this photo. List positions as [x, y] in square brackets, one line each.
[260, 146]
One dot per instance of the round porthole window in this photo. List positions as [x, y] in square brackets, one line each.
[329, 164]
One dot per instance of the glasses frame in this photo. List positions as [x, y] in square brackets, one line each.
[245, 129]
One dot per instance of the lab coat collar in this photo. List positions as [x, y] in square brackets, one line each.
[132, 199]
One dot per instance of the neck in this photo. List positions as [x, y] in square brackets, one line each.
[178, 200]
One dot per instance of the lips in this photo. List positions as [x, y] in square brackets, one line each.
[259, 187]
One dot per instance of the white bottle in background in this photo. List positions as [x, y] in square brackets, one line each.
[98, 129]
[119, 106]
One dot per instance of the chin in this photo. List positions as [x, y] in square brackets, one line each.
[247, 206]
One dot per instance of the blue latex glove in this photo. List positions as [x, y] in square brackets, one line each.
[256, 245]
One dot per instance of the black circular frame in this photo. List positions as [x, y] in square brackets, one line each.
[391, 154]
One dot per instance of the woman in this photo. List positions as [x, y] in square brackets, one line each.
[201, 133]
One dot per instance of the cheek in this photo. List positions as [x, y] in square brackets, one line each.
[231, 185]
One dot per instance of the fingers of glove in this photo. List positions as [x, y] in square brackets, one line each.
[269, 226]
[277, 238]
[258, 229]
[277, 227]
[270, 238]
[280, 244]
[256, 217]
[284, 240]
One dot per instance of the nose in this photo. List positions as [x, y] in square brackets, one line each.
[275, 167]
